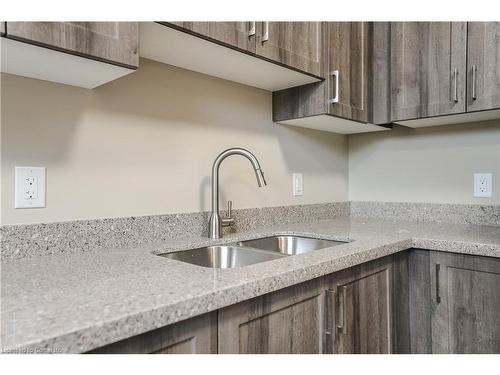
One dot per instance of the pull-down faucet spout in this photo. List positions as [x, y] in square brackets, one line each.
[216, 222]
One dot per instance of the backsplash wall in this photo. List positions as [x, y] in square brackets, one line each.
[145, 144]
[431, 165]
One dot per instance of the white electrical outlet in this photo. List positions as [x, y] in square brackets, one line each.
[483, 185]
[298, 186]
[29, 187]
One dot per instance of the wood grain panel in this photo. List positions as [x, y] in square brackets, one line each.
[289, 321]
[350, 55]
[412, 303]
[424, 56]
[363, 308]
[233, 34]
[347, 48]
[194, 336]
[465, 303]
[483, 55]
[294, 44]
[302, 101]
[381, 73]
[113, 42]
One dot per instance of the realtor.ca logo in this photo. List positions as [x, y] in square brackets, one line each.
[32, 350]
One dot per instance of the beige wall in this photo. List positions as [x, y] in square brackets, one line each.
[145, 143]
[434, 165]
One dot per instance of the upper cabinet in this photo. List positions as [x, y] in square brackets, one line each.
[113, 42]
[239, 35]
[342, 103]
[348, 77]
[483, 60]
[85, 54]
[297, 45]
[441, 73]
[286, 55]
[428, 69]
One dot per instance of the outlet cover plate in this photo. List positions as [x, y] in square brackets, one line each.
[298, 184]
[483, 185]
[29, 187]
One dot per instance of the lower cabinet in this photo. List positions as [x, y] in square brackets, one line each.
[290, 321]
[446, 303]
[194, 336]
[465, 303]
[360, 309]
[416, 301]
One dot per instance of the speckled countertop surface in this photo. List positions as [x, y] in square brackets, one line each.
[78, 302]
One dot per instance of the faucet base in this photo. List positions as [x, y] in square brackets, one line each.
[215, 226]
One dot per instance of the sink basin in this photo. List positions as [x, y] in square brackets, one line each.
[222, 256]
[289, 245]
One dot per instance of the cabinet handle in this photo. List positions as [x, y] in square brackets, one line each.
[474, 70]
[341, 321]
[251, 30]
[455, 95]
[438, 297]
[335, 74]
[265, 33]
[330, 298]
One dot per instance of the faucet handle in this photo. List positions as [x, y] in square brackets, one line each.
[227, 221]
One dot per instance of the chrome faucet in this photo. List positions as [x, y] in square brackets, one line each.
[216, 222]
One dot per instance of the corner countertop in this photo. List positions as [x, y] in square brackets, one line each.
[80, 301]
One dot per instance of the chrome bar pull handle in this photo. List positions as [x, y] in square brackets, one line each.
[229, 209]
[335, 74]
[438, 296]
[455, 90]
[251, 29]
[330, 298]
[265, 32]
[474, 71]
[341, 321]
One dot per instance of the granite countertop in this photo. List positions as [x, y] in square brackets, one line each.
[78, 302]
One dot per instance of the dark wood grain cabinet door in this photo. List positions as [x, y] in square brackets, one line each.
[193, 336]
[483, 61]
[465, 304]
[294, 44]
[412, 303]
[239, 35]
[289, 321]
[112, 42]
[359, 309]
[349, 55]
[428, 69]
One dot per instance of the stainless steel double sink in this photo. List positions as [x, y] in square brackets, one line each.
[248, 252]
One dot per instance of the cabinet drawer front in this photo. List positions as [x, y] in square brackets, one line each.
[428, 69]
[294, 44]
[483, 64]
[465, 303]
[113, 42]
